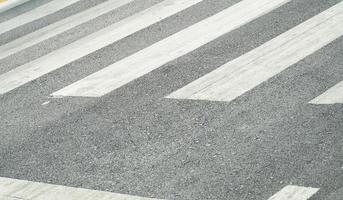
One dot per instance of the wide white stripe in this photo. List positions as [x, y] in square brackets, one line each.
[246, 72]
[332, 96]
[181, 43]
[27, 190]
[91, 43]
[34, 14]
[59, 27]
[292, 192]
[8, 4]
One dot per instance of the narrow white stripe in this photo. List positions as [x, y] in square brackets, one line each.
[246, 72]
[34, 14]
[59, 27]
[27, 190]
[91, 43]
[292, 192]
[4, 6]
[181, 43]
[332, 96]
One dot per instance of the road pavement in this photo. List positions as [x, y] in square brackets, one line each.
[172, 99]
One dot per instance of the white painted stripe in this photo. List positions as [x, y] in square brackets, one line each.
[34, 14]
[91, 43]
[247, 71]
[8, 4]
[59, 27]
[292, 192]
[8, 198]
[27, 190]
[332, 96]
[181, 43]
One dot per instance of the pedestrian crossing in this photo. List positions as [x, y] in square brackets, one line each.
[248, 71]
[226, 83]
[293, 192]
[8, 4]
[58, 27]
[332, 96]
[223, 84]
[37, 13]
[177, 45]
[71, 52]
[28, 190]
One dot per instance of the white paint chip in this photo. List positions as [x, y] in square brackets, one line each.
[168, 49]
[11, 189]
[45, 103]
[253, 68]
[292, 192]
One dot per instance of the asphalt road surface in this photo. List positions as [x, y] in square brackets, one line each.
[172, 99]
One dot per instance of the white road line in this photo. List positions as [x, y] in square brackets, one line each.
[181, 43]
[331, 96]
[292, 192]
[249, 70]
[34, 14]
[8, 4]
[59, 27]
[27, 190]
[56, 59]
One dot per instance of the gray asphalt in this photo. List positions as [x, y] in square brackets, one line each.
[135, 141]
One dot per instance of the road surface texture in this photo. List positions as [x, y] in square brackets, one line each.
[172, 99]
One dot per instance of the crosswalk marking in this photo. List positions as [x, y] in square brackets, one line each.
[332, 96]
[181, 43]
[34, 14]
[246, 72]
[292, 192]
[8, 4]
[59, 27]
[27, 190]
[280, 53]
[56, 59]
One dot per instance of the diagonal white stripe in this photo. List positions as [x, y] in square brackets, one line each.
[27, 190]
[292, 192]
[8, 4]
[59, 27]
[34, 14]
[247, 71]
[181, 43]
[91, 43]
[331, 96]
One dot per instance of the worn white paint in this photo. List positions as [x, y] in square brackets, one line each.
[251, 69]
[11, 189]
[332, 96]
[292, 192]
[59, 27]
[35, 14]
[179, 44]
[56, 59]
